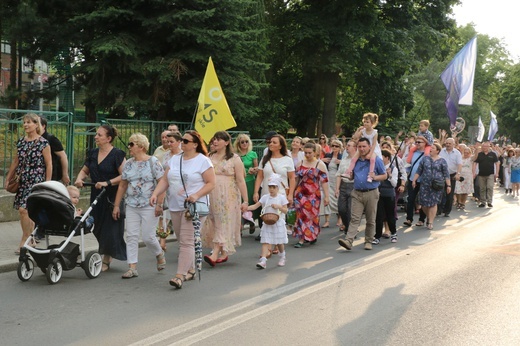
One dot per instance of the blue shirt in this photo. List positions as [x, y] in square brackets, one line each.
[415, 158]
[361, 170]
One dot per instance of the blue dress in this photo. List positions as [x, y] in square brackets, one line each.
[428, 170]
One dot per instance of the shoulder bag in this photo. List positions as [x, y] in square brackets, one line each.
[13, 183]
[200, 208]
[283, 185]
[437, 184]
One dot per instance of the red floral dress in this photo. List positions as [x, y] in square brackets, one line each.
[307, 198]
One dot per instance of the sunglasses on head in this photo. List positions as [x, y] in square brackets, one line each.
[186, 141]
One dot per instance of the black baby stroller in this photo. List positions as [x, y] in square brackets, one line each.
[52, 211]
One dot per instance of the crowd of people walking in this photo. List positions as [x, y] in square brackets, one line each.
[233, 186]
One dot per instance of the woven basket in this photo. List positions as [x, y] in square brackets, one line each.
[270, 218]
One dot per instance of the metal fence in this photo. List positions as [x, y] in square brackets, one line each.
[78, 137]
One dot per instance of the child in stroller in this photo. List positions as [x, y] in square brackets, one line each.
[51, 208]
[74, 197]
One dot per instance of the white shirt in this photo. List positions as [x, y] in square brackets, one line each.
[192, 171]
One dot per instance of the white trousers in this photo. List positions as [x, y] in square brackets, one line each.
[141, 220]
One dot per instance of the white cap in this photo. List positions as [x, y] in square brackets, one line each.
[274, 180]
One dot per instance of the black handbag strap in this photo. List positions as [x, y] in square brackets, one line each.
[182, 179]
[413, 164]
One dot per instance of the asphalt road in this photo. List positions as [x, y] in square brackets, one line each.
[456, 285]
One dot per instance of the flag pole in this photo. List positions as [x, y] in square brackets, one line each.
[192, 127]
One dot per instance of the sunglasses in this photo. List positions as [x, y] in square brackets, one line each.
[186, 141]
[244, 142]
[418, 142]
[335, 146]
[131, 144]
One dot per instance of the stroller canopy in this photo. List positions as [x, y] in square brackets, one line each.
[50, 207]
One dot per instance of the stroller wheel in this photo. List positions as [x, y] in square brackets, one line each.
[25, 269]
[54, 271]
[92, 265]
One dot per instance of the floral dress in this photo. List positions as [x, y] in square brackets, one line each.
[428, 170]
[466, 186]
[307, 198]
[223, 223]
[515, 169]
[31, 168]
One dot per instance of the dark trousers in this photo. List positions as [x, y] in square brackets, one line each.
[345, 202]
[385, 212]
[447, 199]
[410, 205]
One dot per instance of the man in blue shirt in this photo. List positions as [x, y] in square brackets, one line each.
[364, 196]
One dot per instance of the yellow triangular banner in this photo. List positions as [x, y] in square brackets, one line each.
[213, 113]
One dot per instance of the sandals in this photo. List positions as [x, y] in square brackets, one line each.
[298, 245]
[105, 267]
[420, 223]
[429, 225]
[161, 261]
[131, 273]
[176, 282]
[326, 225]
[190, 276]
[407, 223]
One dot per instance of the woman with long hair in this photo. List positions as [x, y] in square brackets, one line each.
[296, 150]
[221, 232]
[33, 164]
[104, 165]
[189, 177]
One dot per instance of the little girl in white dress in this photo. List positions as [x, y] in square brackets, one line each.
[276, 233]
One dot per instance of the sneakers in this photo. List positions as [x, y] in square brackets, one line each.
[481, 205]
[262, 264]
[281, 262]
[490, 205]
[368, 246]
[393, 238]
[375, 241]
[346, 243]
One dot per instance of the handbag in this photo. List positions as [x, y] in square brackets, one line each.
[283, 185]
[13, 184]
[269, 218]
[200, 208]
[437, 184]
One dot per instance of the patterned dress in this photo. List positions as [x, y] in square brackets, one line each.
[428, 170]
[31, 168]
[307, 198]
[515, 169]
[465, 187]
[223, 223]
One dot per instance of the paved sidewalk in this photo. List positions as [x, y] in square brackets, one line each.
[11, 233]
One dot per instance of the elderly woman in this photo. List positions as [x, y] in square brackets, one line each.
[104, 165]
[139, 178]
[189, 177]
[244, 148]
[431, 168]
[464, 186]
[332, 161]
[33, 164]
[221, 232]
